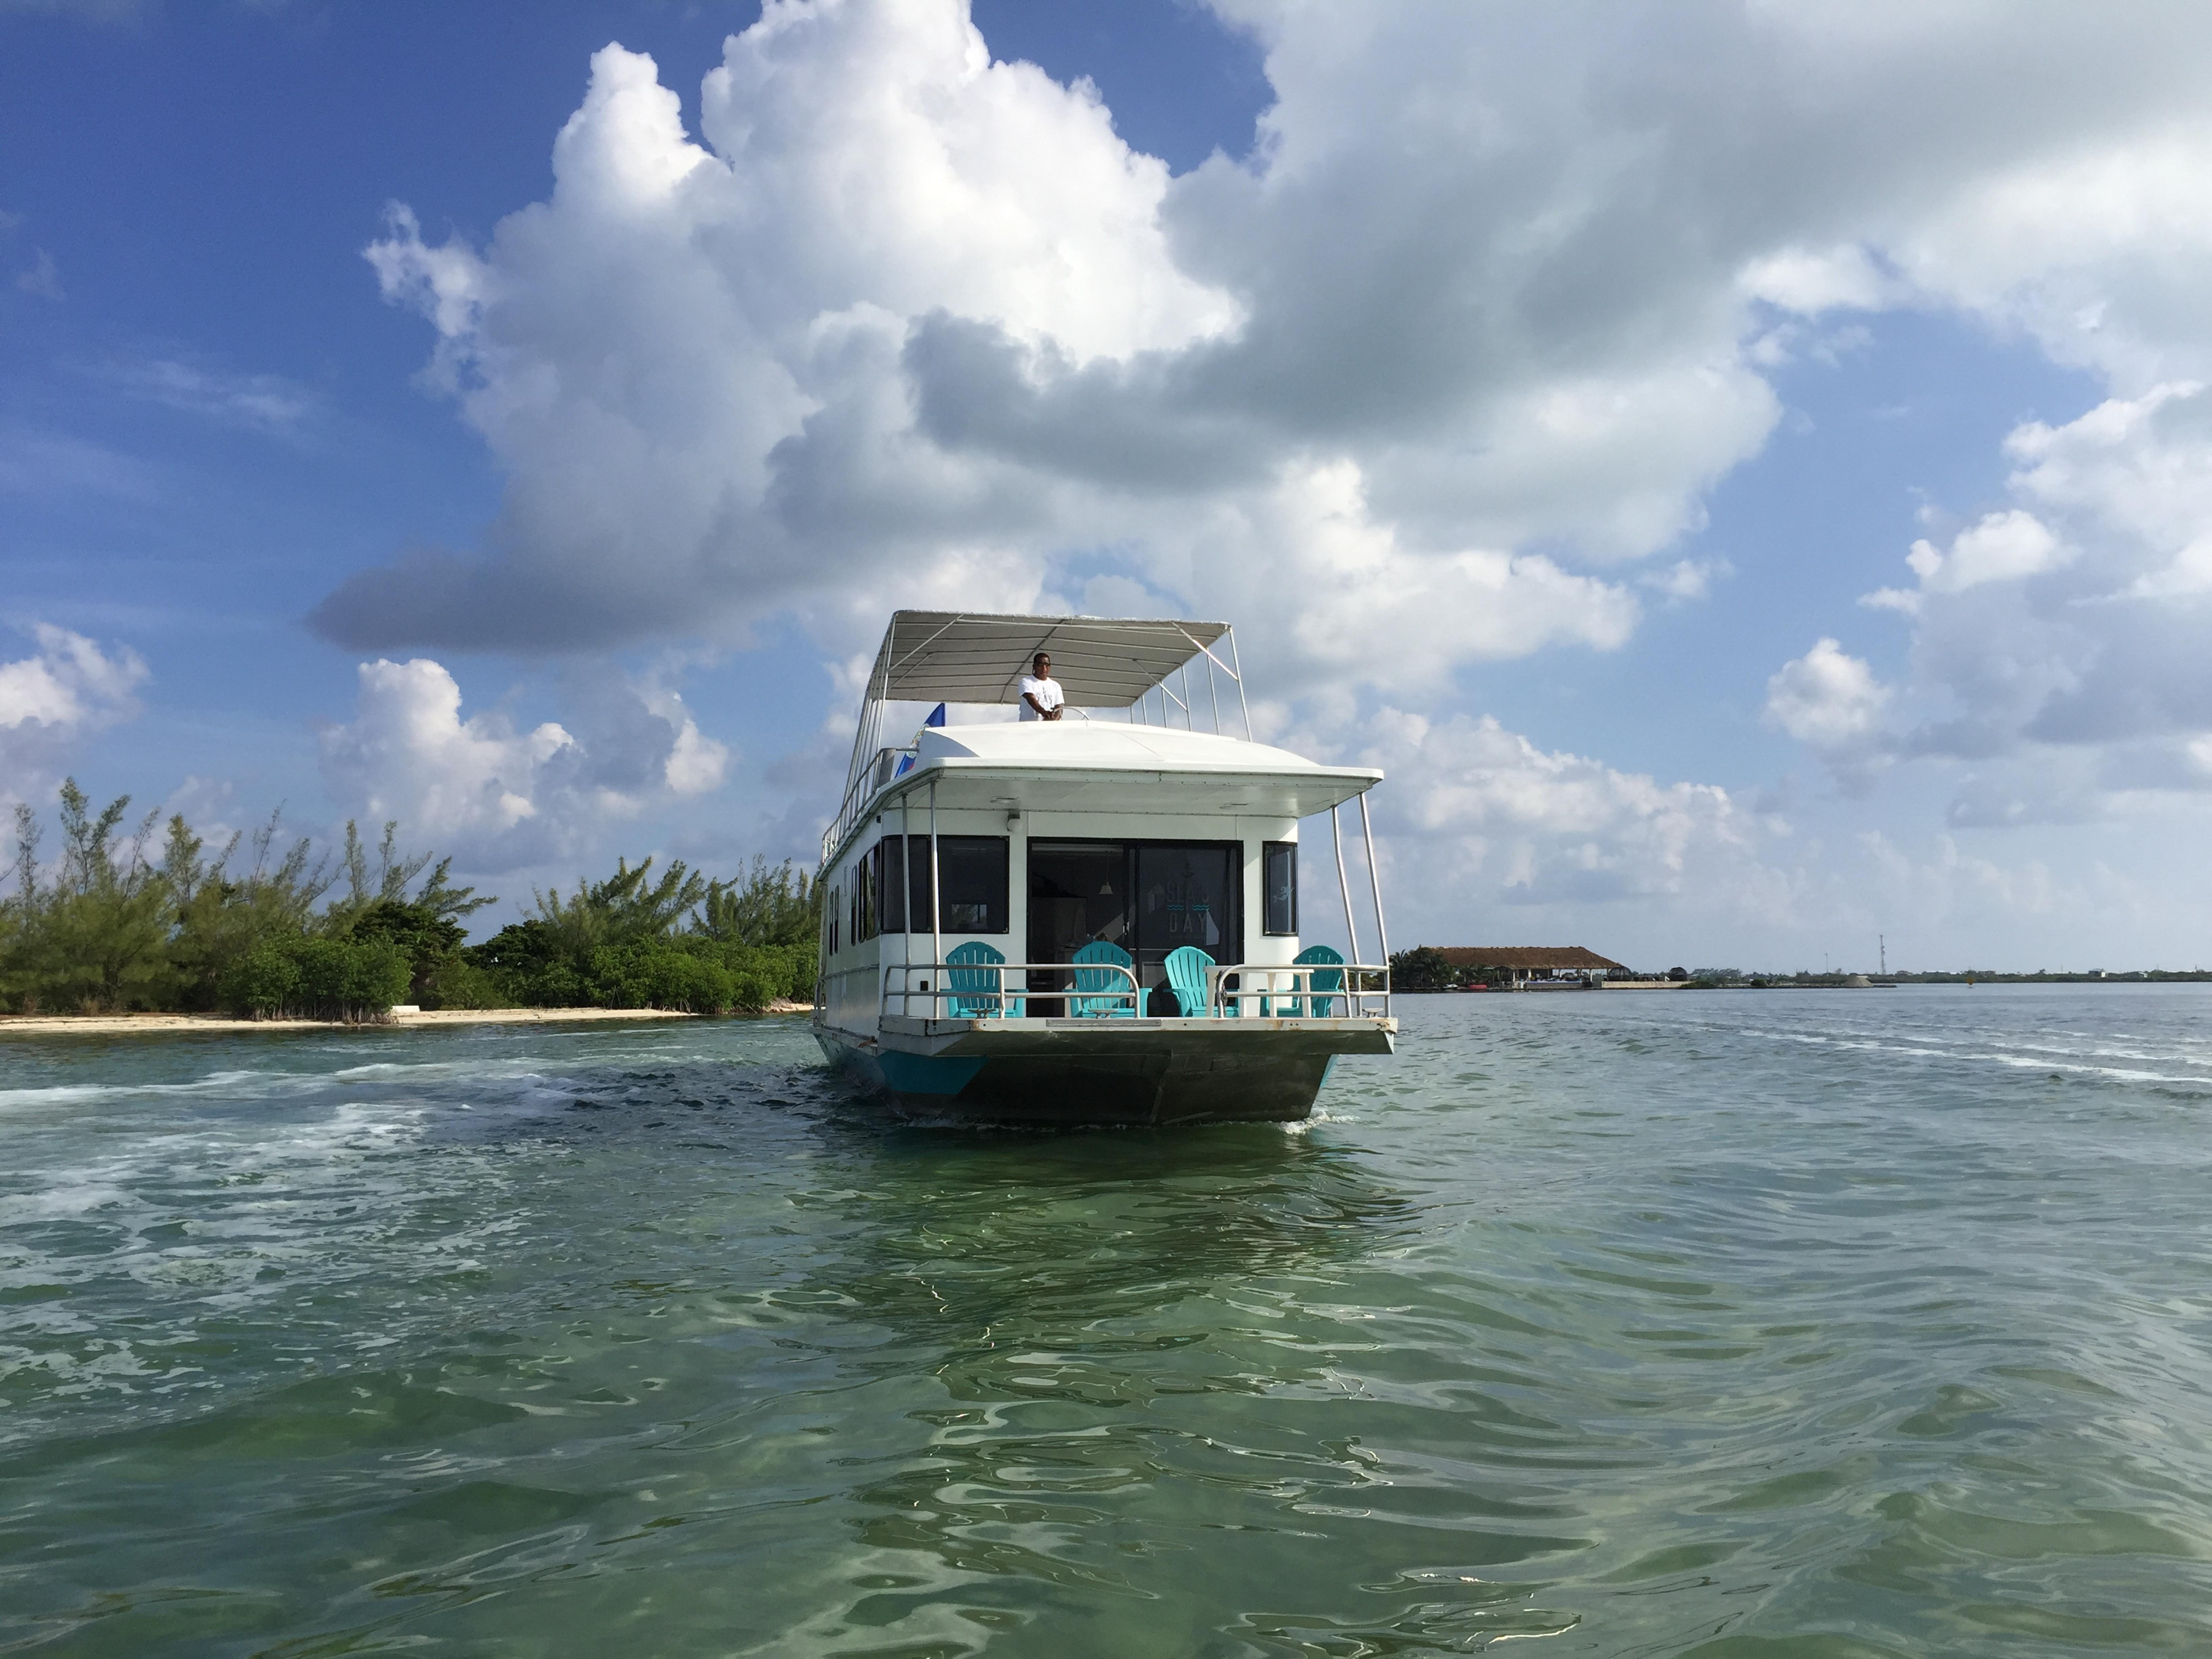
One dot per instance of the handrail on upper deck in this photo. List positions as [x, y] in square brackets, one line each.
[861, 793]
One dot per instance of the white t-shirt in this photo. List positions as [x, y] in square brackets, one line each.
[1047, 692]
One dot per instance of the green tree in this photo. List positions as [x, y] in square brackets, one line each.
[1421, 968]
[622, 909]
[224, 916]
[320, 976]
[769, 907]
[94, 940]
[425, 925]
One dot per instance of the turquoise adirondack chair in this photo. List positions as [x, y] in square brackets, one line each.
[973, 969]
[1322, 981]
[1101, 979]
[1187, 965]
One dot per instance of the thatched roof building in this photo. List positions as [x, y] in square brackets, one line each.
[1531, 958]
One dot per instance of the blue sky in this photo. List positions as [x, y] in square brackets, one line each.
[1553, 395]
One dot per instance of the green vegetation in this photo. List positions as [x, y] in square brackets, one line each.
[681, 942]
[1422, 969]
[109, 927]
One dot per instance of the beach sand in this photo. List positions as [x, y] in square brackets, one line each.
[170, 1024]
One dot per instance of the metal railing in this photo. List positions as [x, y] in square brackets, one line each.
[861, 793]
[1358, 991]
[918, 989]
[1008, 1001]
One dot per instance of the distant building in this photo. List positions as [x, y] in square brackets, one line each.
[1520, 961]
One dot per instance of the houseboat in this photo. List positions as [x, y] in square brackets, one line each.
[1091, 919]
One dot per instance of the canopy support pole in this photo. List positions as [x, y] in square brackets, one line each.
[1214, 692]
[936, 913]
[906, 901]
[1237, 667]
[1344, 885]
[1374, 877]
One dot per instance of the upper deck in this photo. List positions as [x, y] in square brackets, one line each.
[1067, 767]
[1147, 700]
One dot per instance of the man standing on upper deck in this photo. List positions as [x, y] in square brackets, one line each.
[1041, 697]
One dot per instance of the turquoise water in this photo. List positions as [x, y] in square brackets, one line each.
[1758, 1323]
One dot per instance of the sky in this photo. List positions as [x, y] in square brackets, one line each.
[1743, 471]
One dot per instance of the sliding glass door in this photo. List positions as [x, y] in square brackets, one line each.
[1146, 897]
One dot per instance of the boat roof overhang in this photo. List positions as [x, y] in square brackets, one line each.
[1057, 767]
[1101, 662]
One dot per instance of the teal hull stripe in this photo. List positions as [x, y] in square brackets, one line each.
[925, 1074]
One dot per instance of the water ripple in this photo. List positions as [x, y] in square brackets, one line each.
[1759, 1323]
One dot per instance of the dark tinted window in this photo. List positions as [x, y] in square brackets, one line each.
[1278, 884]
[903, 889]
[891, 894]
[973, 869]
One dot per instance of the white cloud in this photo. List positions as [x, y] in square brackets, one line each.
[2058, 646]
[1808, 281]
[409, 755]
[1686, 580]
[66, 689]
[267, 403]
[2002, 547]
[1487, 311]
[902, 319]
[1487, 815]
[1828, 700]
[898, 320]
[499, 796]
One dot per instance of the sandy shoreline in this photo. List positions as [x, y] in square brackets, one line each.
[173, 1025]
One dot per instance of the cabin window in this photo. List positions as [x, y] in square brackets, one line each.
[903, 884]
[1279, 885]
[973, 869]
[868, 876]
[891, 884]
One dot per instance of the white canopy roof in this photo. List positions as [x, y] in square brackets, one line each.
[1101, 662]
[1102, 767]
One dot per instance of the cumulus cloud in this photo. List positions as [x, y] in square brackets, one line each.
[1441, 373]
[1827, 699]
[900, 321]
[1483, 813]
[67, 688]
[2002, 547]
[898, 312]
[2058, 645]
[498, 796]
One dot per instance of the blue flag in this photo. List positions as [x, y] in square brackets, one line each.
[936, 716]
